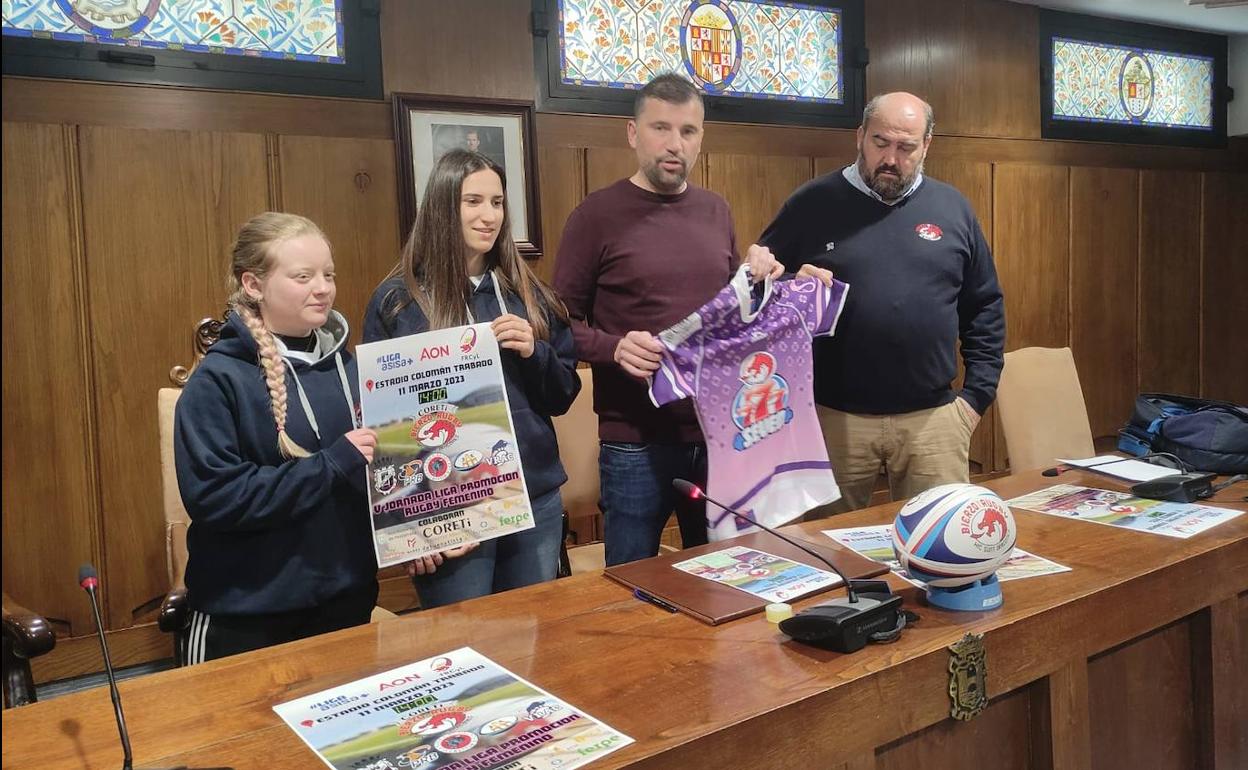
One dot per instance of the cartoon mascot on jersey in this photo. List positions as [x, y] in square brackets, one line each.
[762, 404]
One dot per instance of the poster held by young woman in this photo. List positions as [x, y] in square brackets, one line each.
[447, 468]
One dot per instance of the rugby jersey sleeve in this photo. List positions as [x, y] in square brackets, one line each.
[819, 305]
[682, 349]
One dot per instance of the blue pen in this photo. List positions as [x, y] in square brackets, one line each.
[657, 602]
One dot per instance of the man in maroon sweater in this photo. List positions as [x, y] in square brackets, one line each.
[636, 257]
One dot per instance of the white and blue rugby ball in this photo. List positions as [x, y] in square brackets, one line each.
[953, 535]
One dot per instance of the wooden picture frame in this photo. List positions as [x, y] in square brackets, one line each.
[427, 126]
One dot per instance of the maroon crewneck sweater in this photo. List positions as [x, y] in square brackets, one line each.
[631, 259]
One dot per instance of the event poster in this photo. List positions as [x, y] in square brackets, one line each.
[459, 711]
[1119, 509]
[447, 468]
[877, 543]
[758, 573]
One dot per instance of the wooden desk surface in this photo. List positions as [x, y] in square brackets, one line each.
[689, 694]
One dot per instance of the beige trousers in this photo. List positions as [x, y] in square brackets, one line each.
[919, 450]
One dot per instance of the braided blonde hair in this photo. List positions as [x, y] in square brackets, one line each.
[252, 252]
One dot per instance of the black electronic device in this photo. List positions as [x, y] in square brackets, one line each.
[869, 612]
[844, 627]
[1178, 488]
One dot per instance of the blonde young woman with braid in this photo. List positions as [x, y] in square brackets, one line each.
[270, 456]
[460, 265]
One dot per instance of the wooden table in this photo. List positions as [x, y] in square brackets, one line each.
[1137, 658]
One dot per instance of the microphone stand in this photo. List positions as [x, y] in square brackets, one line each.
[87, 579]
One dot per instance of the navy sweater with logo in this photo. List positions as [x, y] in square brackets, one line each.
[539, 387]
[270, 534]
[922, 278]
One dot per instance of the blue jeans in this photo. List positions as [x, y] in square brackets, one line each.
[638, 498]
[511, 561]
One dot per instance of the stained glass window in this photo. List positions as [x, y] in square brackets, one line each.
[299, 30]
[749, 48]
[1104, 83]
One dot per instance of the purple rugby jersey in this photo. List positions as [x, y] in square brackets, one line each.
[752, 382]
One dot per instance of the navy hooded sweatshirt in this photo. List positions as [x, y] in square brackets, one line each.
[538, 387]
[270, 534]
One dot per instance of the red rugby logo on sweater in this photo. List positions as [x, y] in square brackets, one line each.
[928, 232]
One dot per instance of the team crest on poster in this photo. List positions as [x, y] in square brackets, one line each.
[710, 44]
[1136, 86]
[761, 406]
[383, 479]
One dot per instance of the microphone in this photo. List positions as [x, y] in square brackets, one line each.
[1058, 470]
[89, 582]
[841, 625]
[694, 492]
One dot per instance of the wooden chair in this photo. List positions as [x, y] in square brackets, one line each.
[577, 436]
[174, 616]
[26, 635]
[1043, 414]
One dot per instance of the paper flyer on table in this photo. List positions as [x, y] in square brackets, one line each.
[877, 543]
[459, 711]
[1119, 509]
[447, 468]
[759, 573]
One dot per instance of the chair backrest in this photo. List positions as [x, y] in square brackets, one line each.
[577, 434]
[1043, 414]
[176, 518]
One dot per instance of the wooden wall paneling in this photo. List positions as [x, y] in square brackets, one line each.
[605, 166]
[51, 100]
[561, 173]
[826, 164]
[51, 508]
[1168, 337]
[347, 186]
[560, 130]
[1224, 313]
[1104, 235]
[997, 738]
[974, 180]
[480, 48]
[1136, 720]
[80, 655]
[975, 61]
[1031, 245]
[160, 210]
[1100, 154]
[755, 187]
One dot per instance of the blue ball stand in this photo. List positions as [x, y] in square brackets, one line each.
[973, 597]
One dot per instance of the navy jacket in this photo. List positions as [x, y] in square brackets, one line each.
[538, 387]
[270, 534]
[923, 279]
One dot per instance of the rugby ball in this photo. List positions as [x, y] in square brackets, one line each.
[953, 535]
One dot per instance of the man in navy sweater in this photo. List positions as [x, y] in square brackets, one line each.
[922, 279]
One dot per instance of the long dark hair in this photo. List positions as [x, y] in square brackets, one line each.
[434, 262]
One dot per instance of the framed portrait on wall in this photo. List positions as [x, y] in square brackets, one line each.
[427, 127]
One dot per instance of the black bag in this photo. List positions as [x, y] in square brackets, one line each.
[1207, 435]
